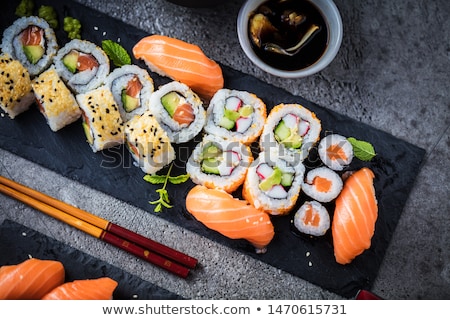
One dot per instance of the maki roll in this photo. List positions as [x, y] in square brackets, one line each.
[292, 130]
[31, 41]
[236, 116]
[16, 93]
[322, 184]
[102, 122]
[178, 110]
[273, 184]
[82, 65]
[148, 143]
[131, 87]
[56, 102]
[335, 151]
[312, 218]
[219, 163]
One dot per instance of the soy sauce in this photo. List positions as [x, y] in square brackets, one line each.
[291, 19]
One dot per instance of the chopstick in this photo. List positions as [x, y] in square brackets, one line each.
[145, 248]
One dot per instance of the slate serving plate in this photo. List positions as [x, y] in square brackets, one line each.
[111, 171]
[18, 243]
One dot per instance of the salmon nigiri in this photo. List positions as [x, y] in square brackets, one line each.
[89, 289]
[232, 217]
[180, 61]
[31, 279]
[354, 217]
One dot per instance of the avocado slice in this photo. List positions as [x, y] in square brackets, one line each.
[294, 141]
[286, 179]
[33, 53]
[210, 166]
[272, 180]
[226, 123]
[245, 111]
[87, 132]
[211, 151]
[129, 103]
[281, 131]
[170, 102]
[70, 61]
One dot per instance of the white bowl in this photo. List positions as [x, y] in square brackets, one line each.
[335, 30]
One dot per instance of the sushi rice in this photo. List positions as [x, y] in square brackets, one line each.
[81, 82]
[12, 43]
[312, 218]
[178, 133]
[233, 159]
[322, 184]
[118, 80]
[247, 127]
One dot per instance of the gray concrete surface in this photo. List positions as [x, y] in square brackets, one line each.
[392, 72]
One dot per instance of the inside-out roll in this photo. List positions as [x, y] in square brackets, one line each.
[178, 110]
[235, 115]
[292, 130]
[55, 101]
[102, 122]
[82, 65]
[148, 143]
[219, 163]
[16, 92]
[273, 184]
[31, 41]
[131, 87]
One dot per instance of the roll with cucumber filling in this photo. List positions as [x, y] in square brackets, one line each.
[219, 163]
[292, 130]
[235, 115]
[178, 110]
[273, 184]
[132, 87]
[31, 41]
[82, 65]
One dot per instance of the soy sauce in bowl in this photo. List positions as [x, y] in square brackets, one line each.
[285, 23]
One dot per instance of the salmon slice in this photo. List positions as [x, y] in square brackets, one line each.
[90, 289]
[335, 152]
[86, 62]
[181, 61]
[322, 184]
[232, 217]
[31, 279]
[134, 87]
[184, 114]
[355, 216]
[32, 36]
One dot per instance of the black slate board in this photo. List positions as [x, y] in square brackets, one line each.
[18, 243]
[66, 152]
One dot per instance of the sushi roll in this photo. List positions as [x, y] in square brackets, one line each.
[236, 116]
[335, 151]
[82, 65]
[31, 41]
[322, 184]
[148, 143]
[16, 93]
[219, 163]
[178, 110]
[102, 122]
[56, 102]
[292, 130]
[273, 184]
[312, 218]
[131, 87]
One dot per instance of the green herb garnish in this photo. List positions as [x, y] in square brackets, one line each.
[363, 150]
[164, 200]
[25, 8]
[48, 13]
[116, 53]
[73, 27]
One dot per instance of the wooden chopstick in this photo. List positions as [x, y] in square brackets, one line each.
[147, 249]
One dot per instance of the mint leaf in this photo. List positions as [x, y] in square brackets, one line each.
[154, 179]
[363, 150]
[116, 53]
[179, 179]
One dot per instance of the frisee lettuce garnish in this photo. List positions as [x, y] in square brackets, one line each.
[164, 200]
[363, 150]
[116, 53]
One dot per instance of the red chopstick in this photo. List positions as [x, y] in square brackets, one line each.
[145, 248]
